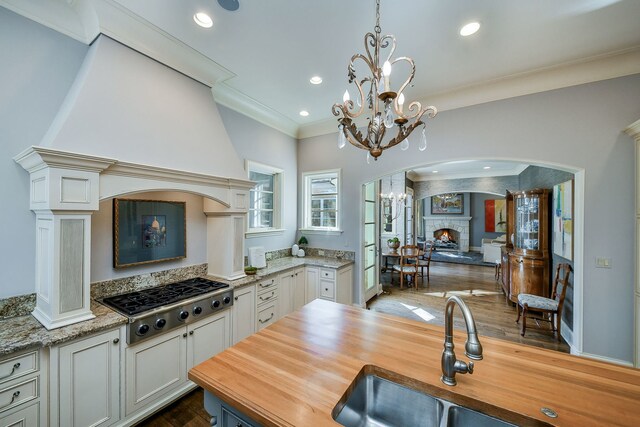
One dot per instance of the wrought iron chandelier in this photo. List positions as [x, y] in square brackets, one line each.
[385, 107]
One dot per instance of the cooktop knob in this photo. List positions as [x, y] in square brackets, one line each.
[215, 304]
[142, 329]
[226, 300]
[183, 315]
[197, 310]
[160, 323]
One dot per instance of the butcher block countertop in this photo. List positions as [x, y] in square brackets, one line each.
[293, 372]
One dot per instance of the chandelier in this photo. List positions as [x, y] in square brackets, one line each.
[385, 107]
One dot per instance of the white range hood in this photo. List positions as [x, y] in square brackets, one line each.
[129, 124]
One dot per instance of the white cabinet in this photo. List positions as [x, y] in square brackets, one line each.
[285, 298]
[330, 284]
[158, 366]
[267, 308]
[22, 390]
[312, 280]
[85, 381]
[243, 313]
[299, 296]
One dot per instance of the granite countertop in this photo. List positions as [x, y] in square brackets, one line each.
[280, 265]
[24, 332]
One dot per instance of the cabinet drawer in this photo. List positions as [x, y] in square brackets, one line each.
[267, 296]
[17, 394]
[229, 419]
[327, 290]
[18, 366]
[327, 274]
[266, 315]
[24, 417]
[266, 284]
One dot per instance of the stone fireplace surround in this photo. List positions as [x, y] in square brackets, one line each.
[457, 223]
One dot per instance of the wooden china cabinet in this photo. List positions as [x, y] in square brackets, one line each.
[525, 257]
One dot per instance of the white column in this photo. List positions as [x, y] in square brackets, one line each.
[634, 131]
[63, 194]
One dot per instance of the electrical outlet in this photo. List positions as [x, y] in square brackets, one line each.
[320, 252]
[603, 262]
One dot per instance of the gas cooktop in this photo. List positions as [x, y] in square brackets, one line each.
[148, 299]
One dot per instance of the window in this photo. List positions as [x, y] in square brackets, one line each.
[265, 198]
[322, 200]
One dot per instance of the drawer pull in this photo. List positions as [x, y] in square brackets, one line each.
[15, 366]
[266, 286]
[16, 394]
[190, 332]
[116, 340]
[268, 298]
[265, 321]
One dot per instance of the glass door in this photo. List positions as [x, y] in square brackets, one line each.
[370, 238]
[409, 225]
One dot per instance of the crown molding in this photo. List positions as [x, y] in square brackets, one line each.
[232, 98]
[602, 67]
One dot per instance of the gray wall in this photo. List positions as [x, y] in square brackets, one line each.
[477, 219]
[577, 128]
[538, 177]
[38, 66]
[257, 142]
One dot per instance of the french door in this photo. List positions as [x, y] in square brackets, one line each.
[370, 238]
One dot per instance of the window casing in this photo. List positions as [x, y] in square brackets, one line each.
[265, 199]
[322, 200]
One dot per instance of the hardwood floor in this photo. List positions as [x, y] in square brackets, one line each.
[186, 412]
[481, 292]
[493, 315]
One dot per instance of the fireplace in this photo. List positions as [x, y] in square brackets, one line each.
[457, 229]
[446, 238]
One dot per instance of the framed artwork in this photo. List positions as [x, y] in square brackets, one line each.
[495, 216]
[447, 204]
[563, 219]
[147, 231]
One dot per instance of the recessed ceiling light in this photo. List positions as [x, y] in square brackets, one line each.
[487, 167]
[304, 113]
[434, 171]
[470, 28]
[203, 20]
[315, 80]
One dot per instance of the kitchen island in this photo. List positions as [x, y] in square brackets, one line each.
[294, 372]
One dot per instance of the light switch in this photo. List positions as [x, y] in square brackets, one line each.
[603, 262]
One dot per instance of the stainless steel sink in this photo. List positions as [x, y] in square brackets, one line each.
[375, 401]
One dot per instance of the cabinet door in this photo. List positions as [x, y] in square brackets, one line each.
[89, 375]
[155, 367]
[24, 417]
[285, 294]
[312, 278]
[528, 276]
[207, 338]
[299, 291]
[243, 313]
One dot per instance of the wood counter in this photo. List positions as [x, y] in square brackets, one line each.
[295, 371]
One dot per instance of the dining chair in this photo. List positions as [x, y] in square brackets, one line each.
[424, 261]
[408, 264]
[551, 307]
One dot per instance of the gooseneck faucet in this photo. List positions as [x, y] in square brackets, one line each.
[473, 348]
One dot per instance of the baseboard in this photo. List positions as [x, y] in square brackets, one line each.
[606, 359]
[475, 248]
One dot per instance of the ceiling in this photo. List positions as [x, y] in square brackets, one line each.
[467, 169]
[259, 58]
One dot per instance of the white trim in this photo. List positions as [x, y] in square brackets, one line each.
[264, 233]
[306, 202]
[606, 359]
[578, 263]
[322, 231]
[567, 334]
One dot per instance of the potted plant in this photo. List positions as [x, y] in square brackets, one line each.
[250, 270]
[303, 241]
[393, 243]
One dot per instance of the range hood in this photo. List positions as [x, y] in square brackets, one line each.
[128, 124]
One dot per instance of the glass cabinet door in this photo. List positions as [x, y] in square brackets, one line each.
[527, 223]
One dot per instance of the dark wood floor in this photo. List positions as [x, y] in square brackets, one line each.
[493, 315]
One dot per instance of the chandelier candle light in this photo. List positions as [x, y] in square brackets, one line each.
[385, 107]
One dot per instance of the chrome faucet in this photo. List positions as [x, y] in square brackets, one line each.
[473, 348]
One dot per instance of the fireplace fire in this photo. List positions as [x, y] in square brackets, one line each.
[446, 238]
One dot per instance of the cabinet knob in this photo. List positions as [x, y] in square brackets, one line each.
[190, 332]
[116, 340]
[184, 335]
[236, 298]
